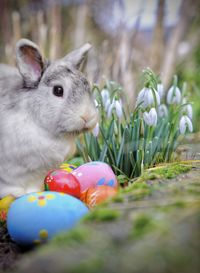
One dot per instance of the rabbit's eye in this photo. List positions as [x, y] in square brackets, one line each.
[58, 91]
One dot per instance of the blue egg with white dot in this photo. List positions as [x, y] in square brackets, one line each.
[37, 217]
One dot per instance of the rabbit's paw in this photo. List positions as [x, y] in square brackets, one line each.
[13, 191]
[35, 189]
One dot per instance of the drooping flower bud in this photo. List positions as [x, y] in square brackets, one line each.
[174, 95]
[146, 97]
[184, 124]
[118, 107]
[162, 111]
[107, 104]
[95, 131]
[96, 103]
[150, 117]
[160, 89]
[105, 96]
[110, 109]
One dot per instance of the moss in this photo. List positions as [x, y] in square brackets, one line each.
[102, 214]
[172, 170]
[136, 186]
[193, 190]
[77, 235]
[142, 225]
[167, 171]
[138, 190]
[179, 204]
[119, 198]
[89, 266]
[139, 194]
[122, 179]
[195, 183]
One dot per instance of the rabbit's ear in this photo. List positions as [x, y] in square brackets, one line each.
[77, 56]
[29, 62]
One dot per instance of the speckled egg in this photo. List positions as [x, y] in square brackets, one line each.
[97, 195]
[95, 173]
[37, 217]
[62, 181]
[67, 167]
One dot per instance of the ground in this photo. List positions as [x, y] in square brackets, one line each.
[151, 226]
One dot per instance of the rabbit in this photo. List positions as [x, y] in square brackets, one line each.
[43, 107]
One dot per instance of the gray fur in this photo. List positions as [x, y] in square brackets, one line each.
[37, 128]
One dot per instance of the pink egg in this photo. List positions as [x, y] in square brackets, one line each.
[95, 173]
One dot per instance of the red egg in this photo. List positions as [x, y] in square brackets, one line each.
[62, 181]
[96, 195]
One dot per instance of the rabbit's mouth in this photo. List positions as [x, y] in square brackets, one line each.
[78, 132]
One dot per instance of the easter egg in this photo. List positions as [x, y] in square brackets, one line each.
[95, 173]
[5, 203]
[96, 195]
[37, 217]
[67, 167]
[62, 181]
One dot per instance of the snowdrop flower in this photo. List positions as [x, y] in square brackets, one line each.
[95, 131]
[146, 97]
[174, 95]
[162, 111]
[185, 123]
[96, 103]
[150, 117]
[110, 109]
[189, 110]
[107, 104]
[160, 89]
[105, 96]
[117, 105]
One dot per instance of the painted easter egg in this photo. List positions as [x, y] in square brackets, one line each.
[62, 181]
[37, 217]
[95, 173]
[96, 195]
[67, 167]
[5, 203]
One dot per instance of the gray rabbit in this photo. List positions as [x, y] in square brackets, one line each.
[43, 106]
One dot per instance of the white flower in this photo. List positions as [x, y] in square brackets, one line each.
[146, 97]
[107, 104]
[162, 111]
[174, 95]
[150, 117]
[95, 131]
[185, 123]
[118, 107]
[160, 89]
[105, 96]
[96, 103]
[110, 109]
[189, 111]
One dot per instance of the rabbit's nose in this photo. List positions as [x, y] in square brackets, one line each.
[90, 121]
